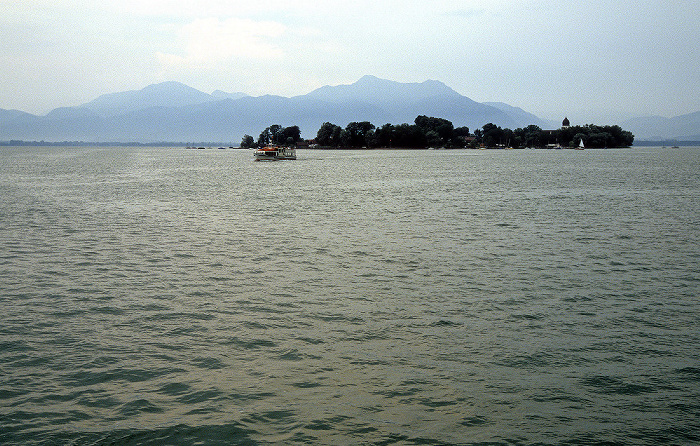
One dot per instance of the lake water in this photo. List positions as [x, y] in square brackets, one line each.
[522, 297]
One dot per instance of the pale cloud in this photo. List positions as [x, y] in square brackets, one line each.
[466, 13]
[206, 8]
[211, 41]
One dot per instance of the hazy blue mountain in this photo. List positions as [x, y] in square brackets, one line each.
[373, 90]
[172, 111]
[218, 95]
[166, 94]
[397, 103]
[15, 124]
[684, 127]
[12, 114]
[521, 117]
[67, 113]
[61, 124]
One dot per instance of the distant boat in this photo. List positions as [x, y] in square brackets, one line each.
[580, 145]
[274, 153]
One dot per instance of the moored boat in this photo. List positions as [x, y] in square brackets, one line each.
[274, 153]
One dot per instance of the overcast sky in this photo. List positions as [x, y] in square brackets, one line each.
[589, 60]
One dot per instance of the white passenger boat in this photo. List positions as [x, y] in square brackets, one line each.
[274, 153]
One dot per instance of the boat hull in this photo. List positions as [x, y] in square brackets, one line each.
[275, 154]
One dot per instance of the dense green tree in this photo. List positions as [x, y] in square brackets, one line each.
[384, 136]
[508, 138]
[492, 135]
[479, 136]
[442, 129]
[433, 139]
[248, 142]
[577, 139]
[438, 132]
[594, 136]
[278, 135]
[599, 139]
[329, 135]
[356, 134]
[461, 131]
[290, 135]
[276, 132]
[531, 136]
[409, 136]
[266, 137]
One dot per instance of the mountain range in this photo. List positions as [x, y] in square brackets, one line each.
[657, 128]
[172, 111]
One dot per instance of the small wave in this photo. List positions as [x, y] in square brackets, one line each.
[110, 310]
[177, 316]
[253, 344]
[615, 386]
[216, 435]
[135, 407]
[87, 378]
[526, 361]
[271, 415]
[199, 396]
[475, 420]
[689, 373]
[445, 323]
[292, 355]
[507, 225]
[306, 385]
[209, 363]
[326, 424]
[528, 317]
[313, 341]
[174, 389]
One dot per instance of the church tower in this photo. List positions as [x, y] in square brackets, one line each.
[565, 123]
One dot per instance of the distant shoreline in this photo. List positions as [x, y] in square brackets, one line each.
[15, 143]
[228, 145]
[669, 143]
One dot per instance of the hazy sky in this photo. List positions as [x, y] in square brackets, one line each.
[590, 60]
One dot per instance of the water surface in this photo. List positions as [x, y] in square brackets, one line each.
[171, 296]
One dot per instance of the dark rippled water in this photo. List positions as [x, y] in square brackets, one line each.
[170, 296]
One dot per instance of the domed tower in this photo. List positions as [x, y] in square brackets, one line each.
[565, 124]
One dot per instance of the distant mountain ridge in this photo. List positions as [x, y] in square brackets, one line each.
[684, 128]
[522, 116]
[373, 90]
[172, 111]
[166, 94]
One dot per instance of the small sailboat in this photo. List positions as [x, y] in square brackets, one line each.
[580, 145]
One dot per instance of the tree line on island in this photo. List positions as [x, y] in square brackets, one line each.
[441, 133]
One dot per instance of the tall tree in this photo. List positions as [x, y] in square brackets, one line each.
[492, 135]
[278, 135]
[265, 137]
[384, 136]
[248, 142]
[328, 135]
[357, 133]
[290, 135]
[442, 127]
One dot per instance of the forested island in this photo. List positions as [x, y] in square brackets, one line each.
[431, 132]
